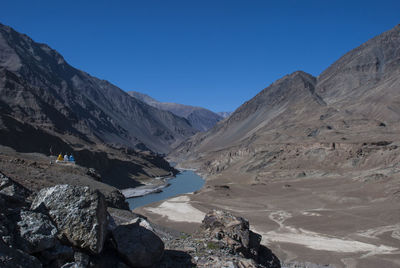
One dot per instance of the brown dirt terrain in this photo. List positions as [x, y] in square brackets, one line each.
[345, 217]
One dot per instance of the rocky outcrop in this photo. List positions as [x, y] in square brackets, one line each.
[233, 231]
[69, 226]
[79, 213]
[223, 240]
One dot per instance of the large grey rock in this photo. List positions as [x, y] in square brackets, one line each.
[235, 234]
[79, 214]
[116, 199]
[234, 231]
[139, 246]
[119, 217]
[15, 258]
[37, 231]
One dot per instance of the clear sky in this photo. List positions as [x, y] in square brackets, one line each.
[215, 54]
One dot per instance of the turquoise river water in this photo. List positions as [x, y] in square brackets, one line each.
[185, 182]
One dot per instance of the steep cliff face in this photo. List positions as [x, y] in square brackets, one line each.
[39, 87]
[200, 118]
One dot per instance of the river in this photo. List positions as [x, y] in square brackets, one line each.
[185, 182]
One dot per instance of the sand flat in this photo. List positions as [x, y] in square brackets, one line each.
[178, 209]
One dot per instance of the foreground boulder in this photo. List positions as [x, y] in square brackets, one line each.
[223, 240]
[233, 231]
[134, 239]
[79, 213]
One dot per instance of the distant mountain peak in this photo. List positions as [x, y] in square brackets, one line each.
[200, 118]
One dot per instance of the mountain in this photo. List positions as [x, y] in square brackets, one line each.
[356, 97]
[46, 104]
[200, 118]
[40, 87]
[224, 114]
[314, 159]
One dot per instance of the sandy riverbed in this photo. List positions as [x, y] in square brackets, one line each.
[353, 224]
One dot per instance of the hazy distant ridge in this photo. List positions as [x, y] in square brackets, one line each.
[200, 118]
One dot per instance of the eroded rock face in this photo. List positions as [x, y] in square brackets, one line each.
[79, 214]
[139, 246]
[37, 231]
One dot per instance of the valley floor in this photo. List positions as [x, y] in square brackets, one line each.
[343, 219]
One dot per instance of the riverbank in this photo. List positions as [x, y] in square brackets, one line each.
[143, 190]
[155, 185]
[187, 181]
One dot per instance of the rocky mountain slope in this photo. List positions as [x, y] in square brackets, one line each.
[313, 162]
[200, 118]
[40, 88]
[355, 99]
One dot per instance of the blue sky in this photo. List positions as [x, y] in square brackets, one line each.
[215, 54]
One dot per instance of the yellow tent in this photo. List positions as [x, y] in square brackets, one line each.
[60, 157]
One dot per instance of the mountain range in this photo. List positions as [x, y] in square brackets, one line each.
[313, 161]
[200, 118]
[356, 98]
[46, 104]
